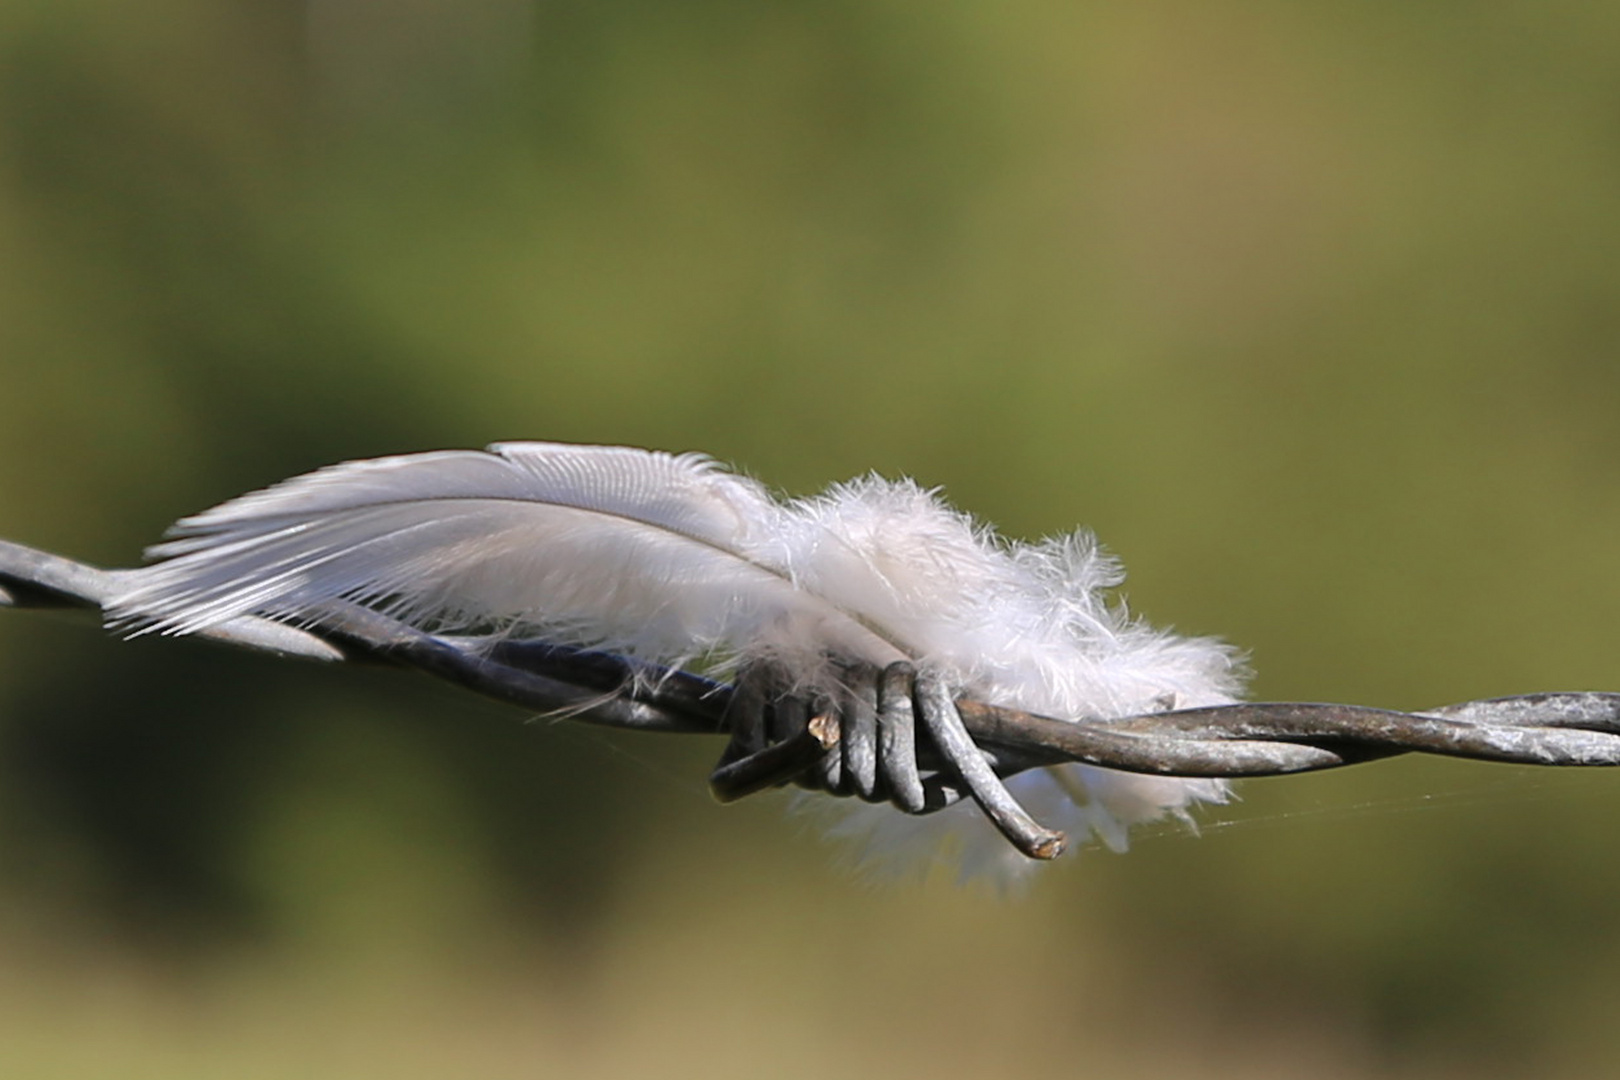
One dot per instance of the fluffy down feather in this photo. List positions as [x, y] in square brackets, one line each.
[669, 557]
[1029, 626]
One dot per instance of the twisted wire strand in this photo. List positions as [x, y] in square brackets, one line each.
[1250, 739]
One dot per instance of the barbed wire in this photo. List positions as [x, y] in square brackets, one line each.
[1243, 740]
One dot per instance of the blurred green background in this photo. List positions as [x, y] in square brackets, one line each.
[1311, 311]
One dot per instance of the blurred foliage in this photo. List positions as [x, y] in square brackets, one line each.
[1312, 312]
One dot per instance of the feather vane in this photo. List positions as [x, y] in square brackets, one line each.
[663, 556]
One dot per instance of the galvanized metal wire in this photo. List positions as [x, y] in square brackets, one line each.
[1251, 739]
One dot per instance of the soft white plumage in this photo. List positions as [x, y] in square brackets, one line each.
[669, 557]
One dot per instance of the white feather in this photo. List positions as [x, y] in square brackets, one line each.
[670, 557]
